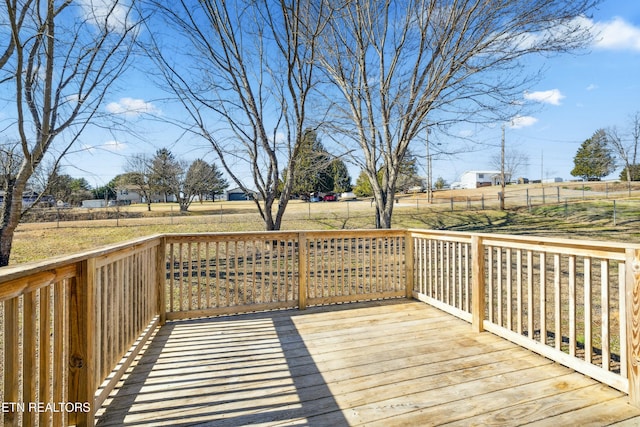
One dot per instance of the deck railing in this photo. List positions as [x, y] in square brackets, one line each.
[212, 274]
[575, 302]
[72, 326]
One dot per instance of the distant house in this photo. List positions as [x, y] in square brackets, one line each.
[31, 197]
[237, 194]
[552, 180]
[476, 179]
[128, 194]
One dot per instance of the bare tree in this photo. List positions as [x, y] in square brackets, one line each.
[61, 60]
[397, 63]
[244, 74]
[626, 146]
[514, 162]
[138, 176]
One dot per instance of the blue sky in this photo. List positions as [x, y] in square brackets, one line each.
[578, 95]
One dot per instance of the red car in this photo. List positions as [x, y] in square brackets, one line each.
[330, 198]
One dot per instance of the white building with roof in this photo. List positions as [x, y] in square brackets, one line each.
[476, 179]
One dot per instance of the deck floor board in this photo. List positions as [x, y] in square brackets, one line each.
[382, 363]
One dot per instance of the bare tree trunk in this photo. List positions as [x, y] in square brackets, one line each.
[11, 209]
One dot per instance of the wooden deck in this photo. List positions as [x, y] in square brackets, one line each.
[385, 363]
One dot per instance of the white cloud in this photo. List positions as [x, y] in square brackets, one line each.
[114, 145]
[111, 145]
[616, 34]
[116, 13]
[131, 107]
[518, 122]
[592, 87]
[553, 96]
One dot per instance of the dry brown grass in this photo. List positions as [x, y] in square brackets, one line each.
[37, 241]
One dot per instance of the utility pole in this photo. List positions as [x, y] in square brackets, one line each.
[429, 186]
[502, 183]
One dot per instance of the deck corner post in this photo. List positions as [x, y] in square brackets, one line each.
[161, 280]
[632, 313]
[409, 261]
[477, 284]
[81, 387]
[302, 271]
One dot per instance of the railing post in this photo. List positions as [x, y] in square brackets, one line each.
[302, 271]
[477, 284]
[81, 345]
[161, 263]
[632, 312]
[409, 264]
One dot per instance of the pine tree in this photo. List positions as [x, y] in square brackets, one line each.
[594, 158]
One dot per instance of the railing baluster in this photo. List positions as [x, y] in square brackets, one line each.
[29, 363]
[588, 310]
[543, 298]
[467, 268]
[60, 348]
[556, 300]
[509, 285]
[45, 362]
[303, 264]
[519, 291]
[605, 319]
[500, 267]
[572, 305]
[530, 305]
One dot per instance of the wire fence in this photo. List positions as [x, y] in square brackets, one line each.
[615, 201]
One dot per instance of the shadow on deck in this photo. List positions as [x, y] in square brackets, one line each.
[385, 363]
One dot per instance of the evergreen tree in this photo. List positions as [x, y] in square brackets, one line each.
[594, 158]
[408, 173]
[341, 178]
[313, 167]
[363, 186]
[105, 192]
[165, 172]
[204, 180]
[197, 181]
[218, 183]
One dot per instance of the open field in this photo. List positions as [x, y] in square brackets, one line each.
[560, 210]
